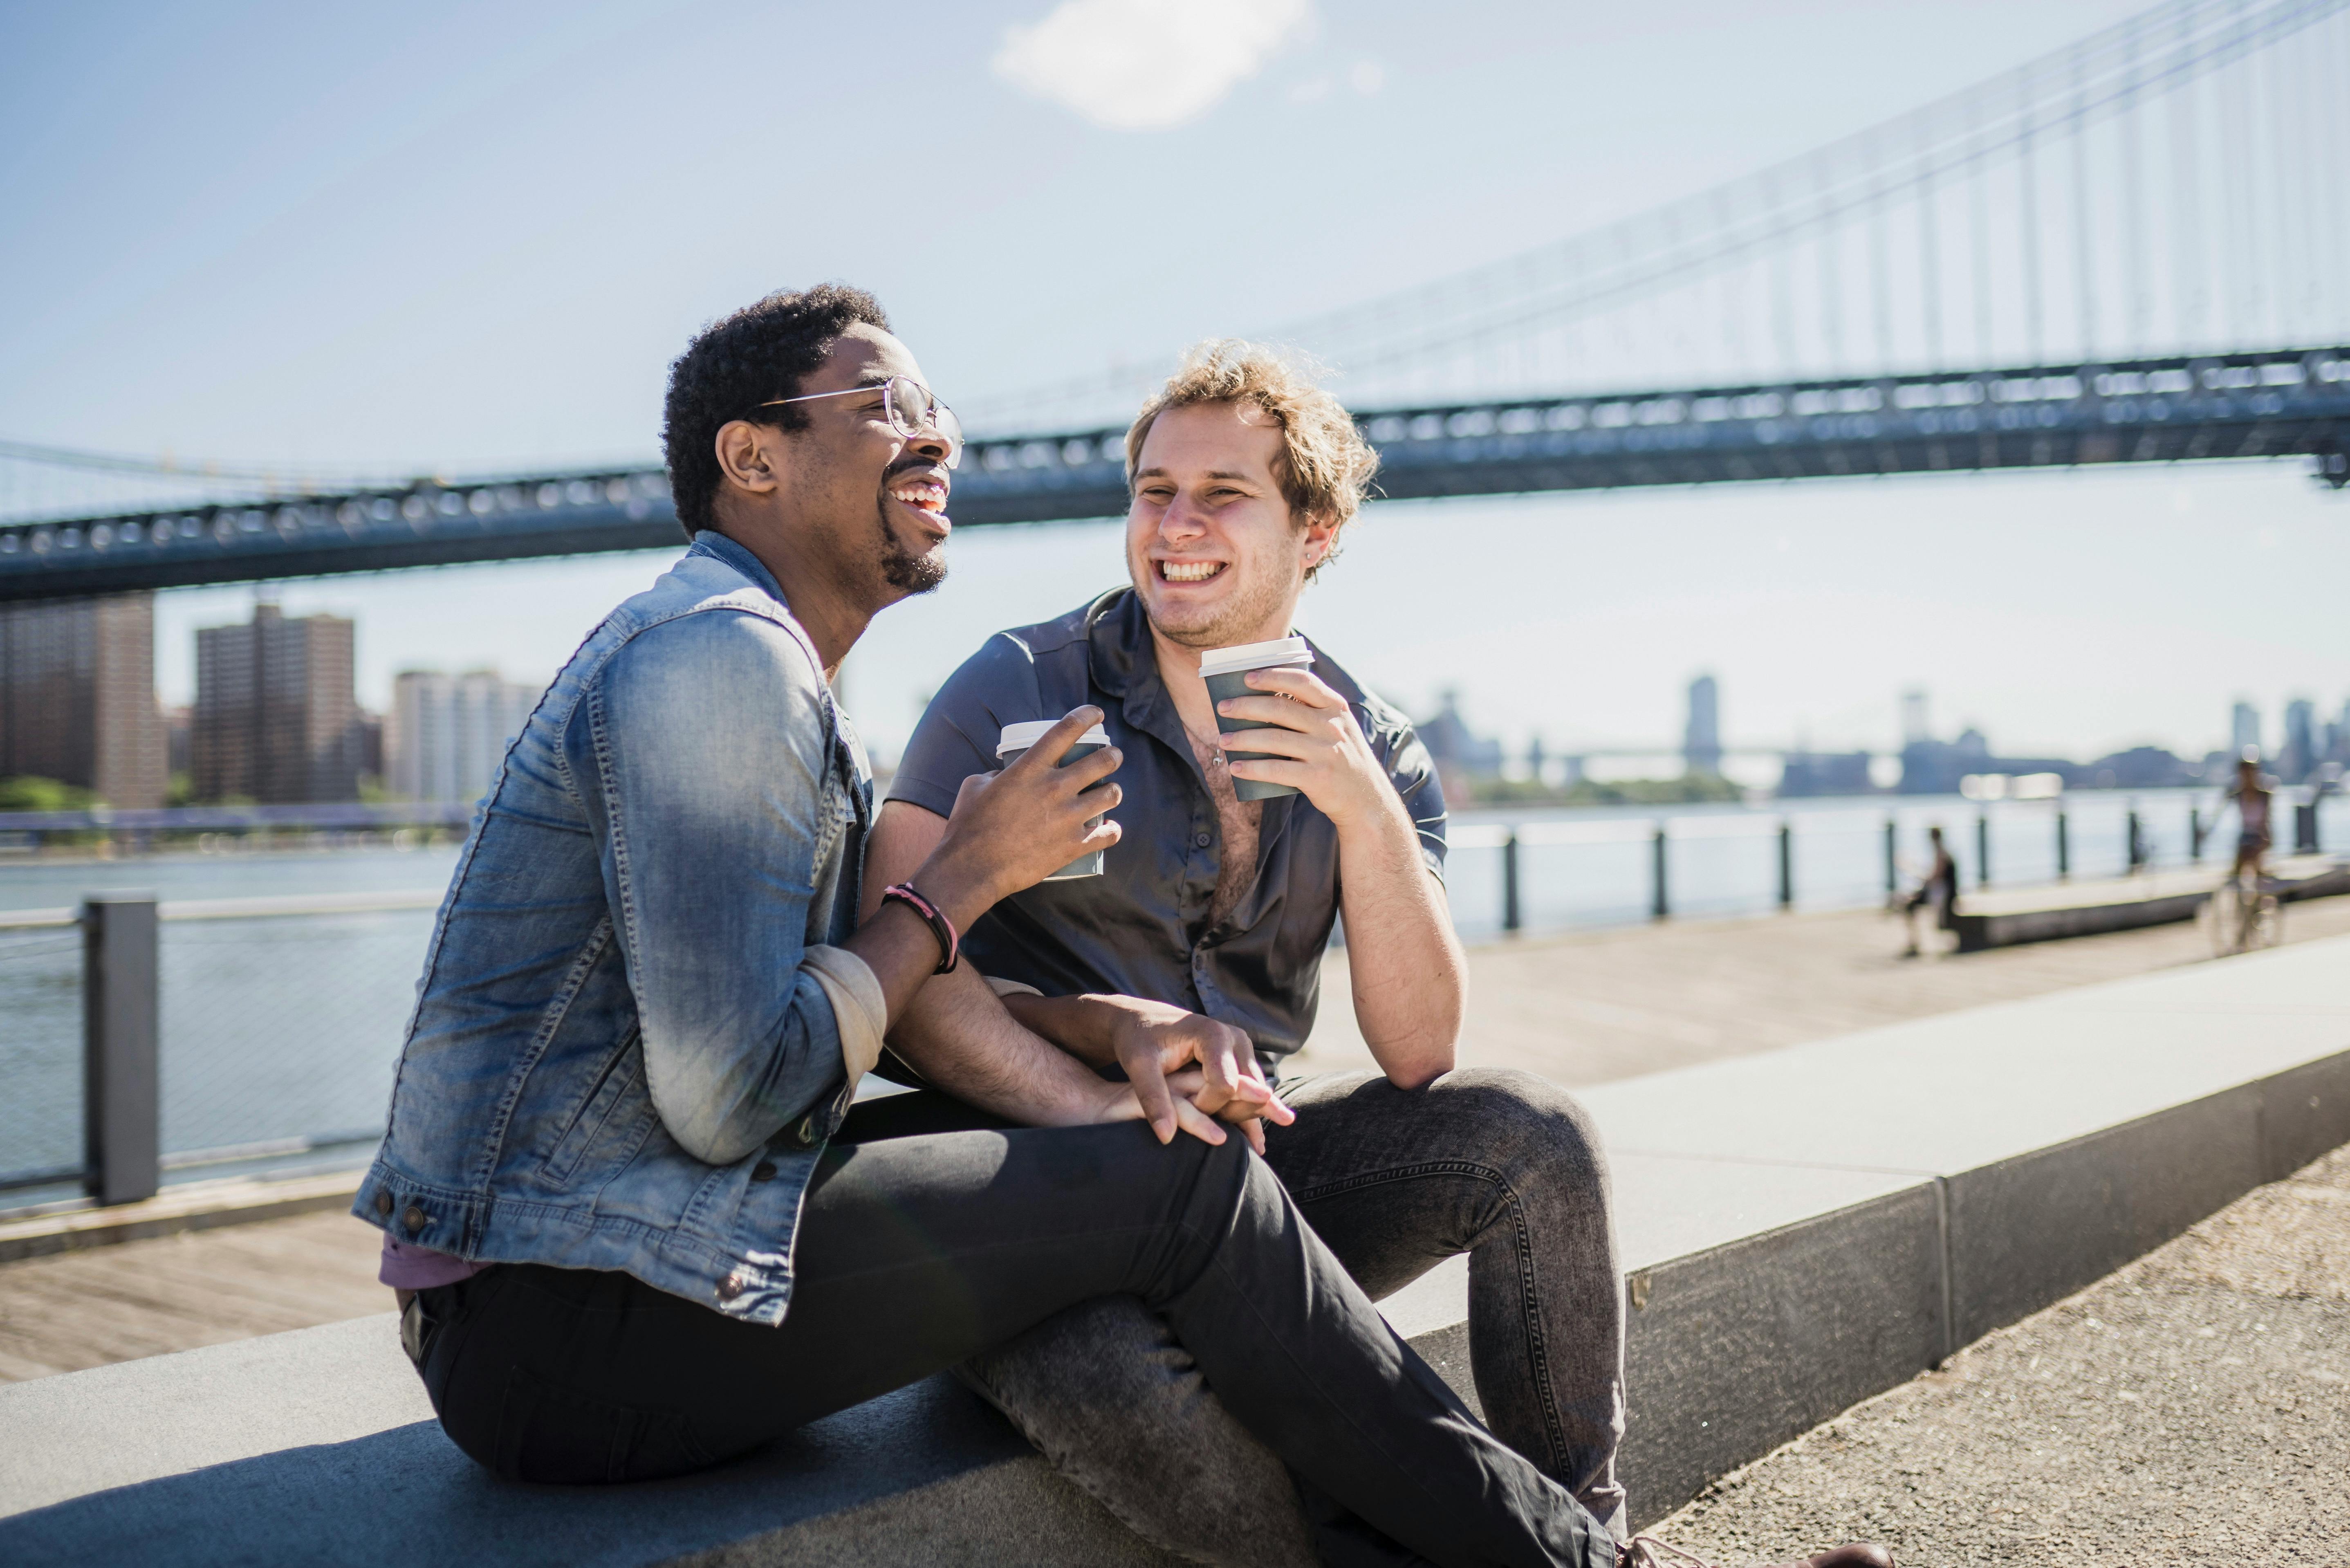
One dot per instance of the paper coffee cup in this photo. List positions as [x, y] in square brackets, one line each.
[1016, 739]
[1225, 670]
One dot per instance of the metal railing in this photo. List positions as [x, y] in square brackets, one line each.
[139, 1040]
[1554, 875]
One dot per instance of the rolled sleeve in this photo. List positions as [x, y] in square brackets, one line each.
[956, 738]
[702, 754]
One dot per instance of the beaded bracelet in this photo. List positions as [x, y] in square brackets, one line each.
[949, 945]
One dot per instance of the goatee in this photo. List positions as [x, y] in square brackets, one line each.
[901, 568]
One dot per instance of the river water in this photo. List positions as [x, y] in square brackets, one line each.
[281, 1031]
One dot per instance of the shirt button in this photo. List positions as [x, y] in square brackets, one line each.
[730, 1287]
[764, 1171]
[1202, 840]
[383, 1205]
[413, 1219]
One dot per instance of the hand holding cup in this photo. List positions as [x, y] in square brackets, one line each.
[1303, 738]
[1012, 829]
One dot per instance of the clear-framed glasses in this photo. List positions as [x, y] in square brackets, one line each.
[909, 407]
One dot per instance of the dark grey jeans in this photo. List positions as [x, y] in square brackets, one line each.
[1503, 1165]
[915, 1252]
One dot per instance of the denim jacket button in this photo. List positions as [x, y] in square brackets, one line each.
[1202, 840]
[383, 1205]
[764, 1171]
[730, 1287]
[413, 1219]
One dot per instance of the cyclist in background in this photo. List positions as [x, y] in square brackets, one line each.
[2255, 805]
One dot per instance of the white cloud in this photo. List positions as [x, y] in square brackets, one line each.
[1147, 64]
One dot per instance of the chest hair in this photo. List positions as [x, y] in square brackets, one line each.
[1236, 822]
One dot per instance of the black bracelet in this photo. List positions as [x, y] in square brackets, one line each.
[949, 945]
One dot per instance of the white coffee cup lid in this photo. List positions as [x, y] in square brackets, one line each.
[1255, 656]
[1020, 737]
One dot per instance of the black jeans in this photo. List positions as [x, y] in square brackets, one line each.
[915, 1252]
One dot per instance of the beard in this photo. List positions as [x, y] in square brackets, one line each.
[1233, 620]
[900, 567]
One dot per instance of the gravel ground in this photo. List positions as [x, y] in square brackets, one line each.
[2193, 1408]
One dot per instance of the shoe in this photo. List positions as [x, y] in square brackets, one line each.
[1647, 1552]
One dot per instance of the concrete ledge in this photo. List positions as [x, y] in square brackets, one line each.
[1801, 1229]
[2008, 918]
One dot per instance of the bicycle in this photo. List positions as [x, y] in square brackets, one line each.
[2241, 914]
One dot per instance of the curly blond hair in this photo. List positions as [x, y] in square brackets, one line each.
[1325, 466]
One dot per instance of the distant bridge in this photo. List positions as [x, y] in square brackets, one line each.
[2292, 402]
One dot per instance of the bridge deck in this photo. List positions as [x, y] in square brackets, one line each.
[2276, 403]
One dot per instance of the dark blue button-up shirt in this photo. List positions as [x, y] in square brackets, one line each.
[1141, 929]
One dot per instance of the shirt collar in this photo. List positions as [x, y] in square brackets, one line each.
[710, 541]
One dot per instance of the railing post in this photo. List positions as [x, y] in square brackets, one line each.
[1510, 881]
[2064, 845]
[2195, 833]
[1982, 849]
[2137, 846]
[1786, 863]
[1660, 905]
[121, 1103]
[1892, 863]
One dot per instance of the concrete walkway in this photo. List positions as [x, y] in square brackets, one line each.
[2193, 1408]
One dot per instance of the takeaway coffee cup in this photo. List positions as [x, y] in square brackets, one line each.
[1225, 670]
[1016, 739]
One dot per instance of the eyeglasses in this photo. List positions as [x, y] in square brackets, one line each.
[910, 408]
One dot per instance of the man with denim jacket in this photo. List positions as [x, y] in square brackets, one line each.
[634, 1228]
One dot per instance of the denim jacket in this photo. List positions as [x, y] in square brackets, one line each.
[634, 1033]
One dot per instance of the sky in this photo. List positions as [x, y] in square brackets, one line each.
[463, 239]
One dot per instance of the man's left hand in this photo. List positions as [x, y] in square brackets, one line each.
[1153, 1040]
[1313, 744]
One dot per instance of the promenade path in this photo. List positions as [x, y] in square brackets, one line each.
[1579, 1009]
[2193, 1408]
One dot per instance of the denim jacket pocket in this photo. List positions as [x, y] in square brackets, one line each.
[620, 1083]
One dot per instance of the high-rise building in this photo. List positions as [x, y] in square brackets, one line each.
[1914, 725]
[2300, 754]
[78, 697]
[2243, 728]
[276, 719]
[447, 734]
[1701, 739]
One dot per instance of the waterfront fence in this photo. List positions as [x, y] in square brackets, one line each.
[142, 1041]
[239, 1034]
[1509, 877]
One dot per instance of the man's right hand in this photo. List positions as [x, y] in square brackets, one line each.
[1012, 829]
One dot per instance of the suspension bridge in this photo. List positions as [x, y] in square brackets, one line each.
[2132, 250]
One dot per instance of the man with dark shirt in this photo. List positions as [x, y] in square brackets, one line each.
[1200, 947]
